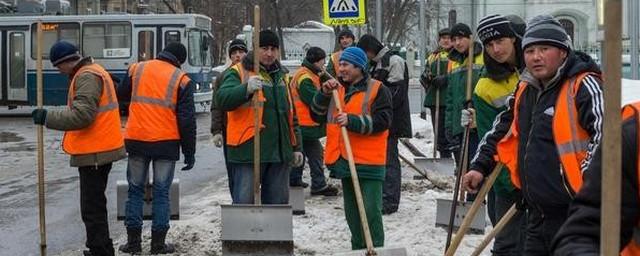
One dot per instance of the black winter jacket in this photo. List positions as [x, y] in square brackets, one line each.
[543, 186]
[392, 71]
[185, 114]
[580, 234]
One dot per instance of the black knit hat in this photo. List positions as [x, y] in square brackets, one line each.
[347, 33]
[461, 29]
[544, 29]
[237, 44]
[517, 24]
[269, 38]
[369, 43]
[493, 27]
[315, 54]
[444, 32]
[177, 50]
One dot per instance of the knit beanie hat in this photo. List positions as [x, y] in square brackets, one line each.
[444, 32]
[346, 33]
[237, 44]
[517, 24]
[544, 29]
[355, 56]
[369, 43]
[177, 50]
[269, 38]
[493, 27]
[63, 51]
[461, 29]
[315, 54]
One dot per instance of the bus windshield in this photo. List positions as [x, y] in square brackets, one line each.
[199, 48]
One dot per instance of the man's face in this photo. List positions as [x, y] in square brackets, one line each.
[345, 41]
[543, 61]
[349, 73]
[66, 67]
[268, 55]
[445, 41]
[319, 64]
[236, 56]
[501, 49]
[461, 43]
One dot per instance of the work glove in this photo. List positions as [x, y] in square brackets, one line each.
[298, 159]
[189, 161]
[39, 116]
[425, 80]
[217, 140]
[254, 84]
[468, 118]
[440, 82]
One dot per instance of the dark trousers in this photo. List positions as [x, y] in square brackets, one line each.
[541, 228]
[226, 163]
[510, 240]
[93, 208]
[393, 178]
[313, 151]
[442, 137]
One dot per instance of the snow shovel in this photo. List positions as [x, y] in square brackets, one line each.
[250, 229]
[442, 165]
[499, 226]
[356, 188]
[459, 208]
[40, 135]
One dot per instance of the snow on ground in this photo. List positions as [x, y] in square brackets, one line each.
[323, 229]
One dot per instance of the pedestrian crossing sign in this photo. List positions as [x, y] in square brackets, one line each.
[344, 12]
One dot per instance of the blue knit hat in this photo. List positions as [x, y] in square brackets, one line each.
[63, 51]
[355, 56]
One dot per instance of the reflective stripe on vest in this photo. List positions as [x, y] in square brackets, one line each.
[368, 148]
[104, 133]
[154, 97]
[570, 138]
[335, 60]
[302, 109]
[240, 128]
[629, 111]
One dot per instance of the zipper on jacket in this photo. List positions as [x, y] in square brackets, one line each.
[526, 154]
[564, 182]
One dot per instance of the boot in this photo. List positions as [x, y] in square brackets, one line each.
[133, 241]
[158, 246]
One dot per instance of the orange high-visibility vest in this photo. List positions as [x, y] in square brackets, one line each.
[240, 126]
[154, 96]
[633, 247]
[369, 149]
[335, 59]
[103, 134]
[302, 110]
[570, 138]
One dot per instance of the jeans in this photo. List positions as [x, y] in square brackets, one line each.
[93, 208]
[312, 150]
[226, 163]
[138, 176]
[274, 179]
[393, 177]
[442, 137]
[510, 240]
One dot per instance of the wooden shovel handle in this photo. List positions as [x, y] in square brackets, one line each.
[256, 109]
[499, 226]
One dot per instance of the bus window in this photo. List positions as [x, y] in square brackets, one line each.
[146, 44]
[171, 36]
[199, 48]
[51, 33]
[107, 40]
[17, 60]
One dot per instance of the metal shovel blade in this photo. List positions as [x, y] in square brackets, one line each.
[444, 166]
[249, 229]
[381, 251]
[174, 200]
[443, 212]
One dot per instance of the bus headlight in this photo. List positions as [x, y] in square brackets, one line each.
[210, 85]
[197, 86]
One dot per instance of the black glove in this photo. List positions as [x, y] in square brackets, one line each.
[39, 116]
[425, 80]
[189, 161]
[440, 81]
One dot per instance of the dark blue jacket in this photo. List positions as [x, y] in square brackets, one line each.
[185, 114]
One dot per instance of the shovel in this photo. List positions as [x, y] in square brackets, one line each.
[441, 165]
[499, 226]
[250, 229]
[40, 138]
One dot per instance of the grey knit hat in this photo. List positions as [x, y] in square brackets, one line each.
[544, 29]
